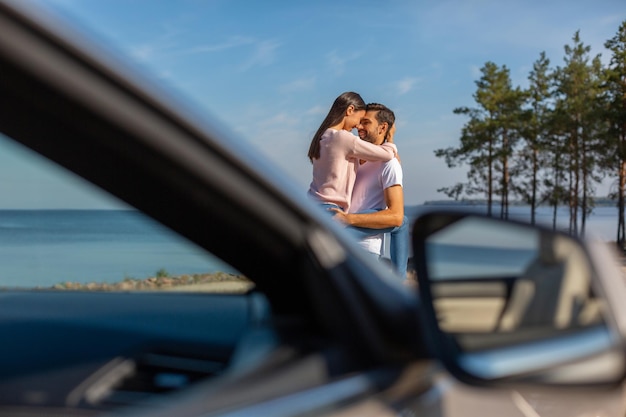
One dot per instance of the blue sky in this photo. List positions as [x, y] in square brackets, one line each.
[271, 69]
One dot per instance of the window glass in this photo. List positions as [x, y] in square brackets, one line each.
[60, 232]
[474, 247]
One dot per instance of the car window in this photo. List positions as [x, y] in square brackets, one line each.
[473, 248]
[59, 232]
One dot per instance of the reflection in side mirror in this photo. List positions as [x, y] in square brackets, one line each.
[510, 301]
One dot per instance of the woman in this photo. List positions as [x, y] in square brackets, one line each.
[335, 152]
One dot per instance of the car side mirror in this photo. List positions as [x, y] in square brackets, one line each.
[504, 301]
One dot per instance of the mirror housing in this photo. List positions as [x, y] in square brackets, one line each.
[507, 302]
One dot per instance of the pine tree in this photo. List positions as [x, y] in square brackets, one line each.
[578, 92]
[615, 99]
[488, 138]
[534, 129]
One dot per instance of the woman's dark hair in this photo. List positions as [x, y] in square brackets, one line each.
[334, 116]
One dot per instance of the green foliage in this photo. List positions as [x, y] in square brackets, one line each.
[162, 273]
[549, 143]
[614, 97]
[488, 138]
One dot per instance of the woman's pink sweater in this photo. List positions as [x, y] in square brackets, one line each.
[334, 172]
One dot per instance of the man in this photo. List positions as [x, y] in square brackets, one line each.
[377, 205]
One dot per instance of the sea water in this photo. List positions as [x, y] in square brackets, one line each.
[601, 223]
[40, 248]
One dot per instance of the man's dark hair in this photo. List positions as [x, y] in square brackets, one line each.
[383, 114]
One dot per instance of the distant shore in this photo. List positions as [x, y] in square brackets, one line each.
[597, 202]
[215, 282]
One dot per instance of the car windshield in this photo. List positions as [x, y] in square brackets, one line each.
[59, 232]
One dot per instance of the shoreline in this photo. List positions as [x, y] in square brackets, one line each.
[213, 282]
[224, 282]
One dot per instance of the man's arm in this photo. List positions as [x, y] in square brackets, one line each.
[392, 216]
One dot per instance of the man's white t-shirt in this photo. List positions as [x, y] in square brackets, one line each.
[372, 178]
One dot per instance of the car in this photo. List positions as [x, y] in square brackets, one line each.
[323, 328]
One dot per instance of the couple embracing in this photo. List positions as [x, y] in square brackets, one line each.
[359, 178]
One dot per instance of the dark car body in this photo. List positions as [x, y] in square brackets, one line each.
[326, 330]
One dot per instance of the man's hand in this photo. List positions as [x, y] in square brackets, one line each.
[390, 133]
[389, 139]
[340, 216]
[392, 216]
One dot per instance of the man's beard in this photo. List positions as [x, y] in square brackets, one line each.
[369, 137]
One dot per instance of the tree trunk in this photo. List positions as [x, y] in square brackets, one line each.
[585, 179]
[504, 213]
[620, 206]
[490, 180]
[533, 192]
